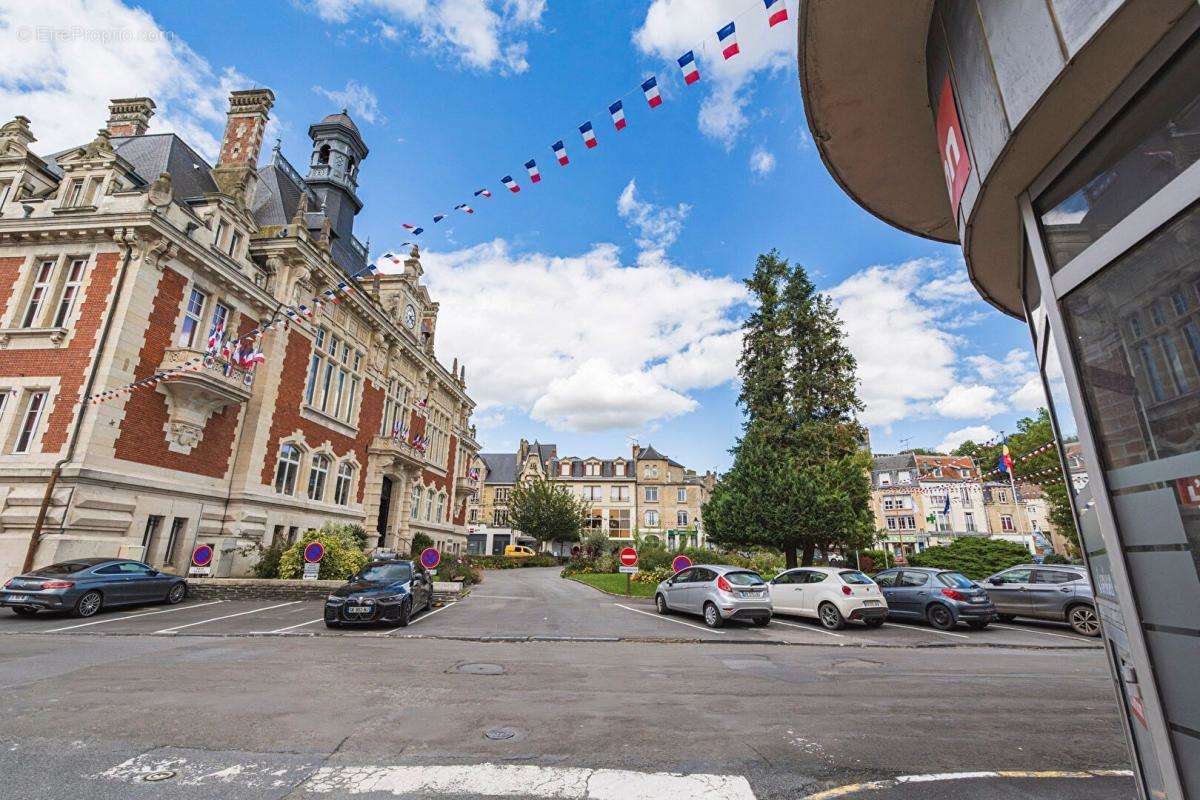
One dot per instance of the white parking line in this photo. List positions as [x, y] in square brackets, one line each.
[227, 616]
[915, 629]
[1043, 633]
[425, 616]
[293, 627]
[777, 621]
[669, 619]
[503, 596]
[131, 616]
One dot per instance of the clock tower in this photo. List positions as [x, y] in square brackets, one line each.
[408, 302]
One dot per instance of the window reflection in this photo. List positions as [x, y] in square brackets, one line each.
[1154, 139]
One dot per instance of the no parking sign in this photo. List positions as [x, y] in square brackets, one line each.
[313, 553]
[680, 563]
[430, 558]
[202, 556]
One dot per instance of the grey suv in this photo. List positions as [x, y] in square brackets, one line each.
[717, 592]
[1044, 591]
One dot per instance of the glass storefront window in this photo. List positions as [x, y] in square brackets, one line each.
[1154, 139]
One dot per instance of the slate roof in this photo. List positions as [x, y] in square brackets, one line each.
[578, 467]
[501, 467]
[649, 452]
[341, 118]
[887, 463]
[152, 154]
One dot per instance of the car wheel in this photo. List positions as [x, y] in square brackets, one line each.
[177, 593]
[940, 617]
[88, 604]
[329, 624]
[977, 624]
[1005, 618]
[762, 622]
[405, 613]
[831, 617]
[1083, 620]
[660, 604]
[712, 617]
[873, 623]
[24, 611]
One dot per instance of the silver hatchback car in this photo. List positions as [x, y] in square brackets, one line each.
[718, 592]
[1046, 591]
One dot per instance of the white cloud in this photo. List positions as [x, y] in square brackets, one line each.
[969, 402]
[974, 433]
[583, 342]
[672, 27]
[658, 226]
[762, 161]
[481, 34]
[356, 98]
[63, 62]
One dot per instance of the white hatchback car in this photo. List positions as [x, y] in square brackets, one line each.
[831, 594]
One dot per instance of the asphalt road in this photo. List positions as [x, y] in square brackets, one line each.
[200, 696]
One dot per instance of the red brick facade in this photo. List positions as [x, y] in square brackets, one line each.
[142, 438]
[69, 364]
[287, 417]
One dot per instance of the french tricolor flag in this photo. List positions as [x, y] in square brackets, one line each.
[728, 39]
[415, 230]
[535, 176]
[484, 193]
[510, 184]
[560, 152]
[589, 135]
[776, 11]
[438, 218]
[687, 63]
[464, 208]
[650, 88]
[392, 257]
[617, 110]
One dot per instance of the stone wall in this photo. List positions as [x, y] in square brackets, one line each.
[254, 589]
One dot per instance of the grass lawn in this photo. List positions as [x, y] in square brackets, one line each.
[615, 582]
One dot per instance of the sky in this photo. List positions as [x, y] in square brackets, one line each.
[602, 305]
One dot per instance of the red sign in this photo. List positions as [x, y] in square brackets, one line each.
[680, 563]
[202, 556]
[1189, 491]
[628, 557]
[314, 552]
[952, 148]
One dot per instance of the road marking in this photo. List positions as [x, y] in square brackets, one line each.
[1043, 633]
[227, 616]
[669, 619]
[503, 596]
[423, 617]
[293, 627]
[856, 788]
[915, 629]
[805, 627]
[131, 616]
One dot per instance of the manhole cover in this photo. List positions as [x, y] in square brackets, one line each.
[161, 775]
[499, 733]
[477, 669]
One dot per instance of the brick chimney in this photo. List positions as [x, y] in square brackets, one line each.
[129, 116]
[240, 147]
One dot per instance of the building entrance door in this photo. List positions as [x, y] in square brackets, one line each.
[385, 506]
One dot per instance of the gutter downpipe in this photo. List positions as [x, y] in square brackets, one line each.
[125, 238]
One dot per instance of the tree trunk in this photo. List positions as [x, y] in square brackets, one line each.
[809, 551]
[789, 556]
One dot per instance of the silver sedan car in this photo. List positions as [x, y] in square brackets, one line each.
[717, 592]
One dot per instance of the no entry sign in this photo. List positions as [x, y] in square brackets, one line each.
[202, 555]
[680, 563]
[314, 552]
[430, 558]
[628, 557]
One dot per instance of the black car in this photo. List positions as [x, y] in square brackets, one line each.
[85, 585]
[383, 591]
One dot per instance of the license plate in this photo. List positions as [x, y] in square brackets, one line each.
[751, 595]
[978, 600]
[359, 609]
[871, 602]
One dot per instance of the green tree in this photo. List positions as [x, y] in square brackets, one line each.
[545, 511]
[977, 557]
[343, 555]
[800, 478]
[1045, 468]
[419, 542]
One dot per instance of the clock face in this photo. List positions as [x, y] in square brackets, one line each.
[410, 316]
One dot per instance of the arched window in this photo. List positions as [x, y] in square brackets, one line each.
[287, 468]
[317, 474]
[416, 502]
[441, 507]
[429, 505]
[345, 479]
[350, 164]
[323, 154]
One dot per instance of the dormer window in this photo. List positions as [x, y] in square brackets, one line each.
[323, 154]
[235, 244]
[619, 469]
[565, 469]
[222, 228]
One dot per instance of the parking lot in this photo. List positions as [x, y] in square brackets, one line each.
[531, 604]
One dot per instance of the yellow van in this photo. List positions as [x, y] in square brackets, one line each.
[518, 551]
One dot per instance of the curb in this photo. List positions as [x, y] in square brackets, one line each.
[872, 786]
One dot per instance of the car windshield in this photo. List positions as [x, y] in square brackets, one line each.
[65, 568]
[852, 576]
[386, 573]
[955, 580]
[744, 578]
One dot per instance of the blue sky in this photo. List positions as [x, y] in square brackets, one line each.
[604, 302]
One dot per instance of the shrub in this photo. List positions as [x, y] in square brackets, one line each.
[1056, 558]
[974, 556]
[458, 568]
[501, 562]
[653, 576]
[871, 561]
[267, 565]
[419, 542]
[343, 555]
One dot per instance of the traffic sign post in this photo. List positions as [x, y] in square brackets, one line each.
[202, 556]
[680, 563]
[313, 553]
[629, 559]
[430, 558]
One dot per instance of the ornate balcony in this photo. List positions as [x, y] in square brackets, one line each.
[403, 455]
[195, 394]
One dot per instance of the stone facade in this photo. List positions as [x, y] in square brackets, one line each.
[647, 493]
[120, 259]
